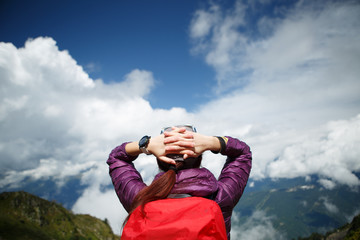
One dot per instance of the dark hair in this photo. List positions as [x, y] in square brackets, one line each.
[161, 187]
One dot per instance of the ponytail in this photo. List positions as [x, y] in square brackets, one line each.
[158, 189]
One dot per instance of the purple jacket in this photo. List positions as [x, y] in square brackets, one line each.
[200, 182]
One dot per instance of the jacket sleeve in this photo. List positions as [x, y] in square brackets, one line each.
[234, 175]
[126, 179]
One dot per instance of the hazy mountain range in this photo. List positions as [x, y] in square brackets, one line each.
[291, 208]
[268, 209]
[25, 216]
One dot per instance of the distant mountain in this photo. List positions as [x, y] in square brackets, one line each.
[25, 216]
[350, 231]
[294, 207]
[66, 193]
[299, 207]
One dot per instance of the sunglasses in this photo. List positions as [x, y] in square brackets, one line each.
[187, 127]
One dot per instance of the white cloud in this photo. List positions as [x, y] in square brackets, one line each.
[287, 84]
[48, 168]
[328, 184]
[139, 82]
[103, 205]
[350, 217]
[335, 155]
[56, 122]
[224, 38]
[330, 207]
[307, 37]
[257, 227]
[50, 108]
[202, 23]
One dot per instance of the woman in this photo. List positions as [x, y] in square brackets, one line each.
[179, 153]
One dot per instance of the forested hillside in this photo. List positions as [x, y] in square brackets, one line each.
[25, 216]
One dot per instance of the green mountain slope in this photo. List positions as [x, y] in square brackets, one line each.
[350, 231]
[25, 216]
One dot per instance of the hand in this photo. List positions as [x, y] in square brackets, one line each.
[179, 141]
[190, 144]
[156, 147]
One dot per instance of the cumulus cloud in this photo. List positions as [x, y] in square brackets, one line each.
[51, 109]
[333, 155]
[56, 122]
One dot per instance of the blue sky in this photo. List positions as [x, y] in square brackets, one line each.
[110, 38]
[79, 78]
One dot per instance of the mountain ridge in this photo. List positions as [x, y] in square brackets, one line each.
[350, 231]
[26, 216]
[296, 207]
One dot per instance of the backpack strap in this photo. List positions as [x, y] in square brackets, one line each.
[176, 195]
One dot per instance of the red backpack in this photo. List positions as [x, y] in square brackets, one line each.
[177, 218]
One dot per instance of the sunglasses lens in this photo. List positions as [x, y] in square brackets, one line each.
[188, 127]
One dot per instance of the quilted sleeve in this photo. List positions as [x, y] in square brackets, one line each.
[235, 173]
[126, 179]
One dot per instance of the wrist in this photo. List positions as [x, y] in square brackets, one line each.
[150, 147]
[156, 145]
[220, 144]
[214, 144]
[132, 149]
[208, 143]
